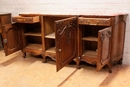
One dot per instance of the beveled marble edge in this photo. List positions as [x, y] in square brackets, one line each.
[75, 14]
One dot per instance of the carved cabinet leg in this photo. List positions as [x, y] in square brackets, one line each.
[77, 60]
[44, 58]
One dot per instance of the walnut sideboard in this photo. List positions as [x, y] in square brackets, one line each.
[97, 39]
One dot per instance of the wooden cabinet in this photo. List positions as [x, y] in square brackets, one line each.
[60, 41]
[101, 39]
[95, 39]
[31, 34]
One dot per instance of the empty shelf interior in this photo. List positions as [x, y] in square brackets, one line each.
[51, 35]
[90, 38]
[89, 53]
[51, 50]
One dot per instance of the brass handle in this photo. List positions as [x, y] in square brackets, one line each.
[59, 50]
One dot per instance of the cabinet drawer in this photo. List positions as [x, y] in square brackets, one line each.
[94, 21]
[21, 19]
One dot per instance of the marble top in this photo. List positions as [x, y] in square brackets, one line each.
[72, 14]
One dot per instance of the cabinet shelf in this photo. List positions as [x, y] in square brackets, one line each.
[51, 50]
[90, 53]
[90, 38]
[51, 35]
[34, 46]
[33, 34]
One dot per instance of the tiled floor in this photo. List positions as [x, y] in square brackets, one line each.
[16, 71]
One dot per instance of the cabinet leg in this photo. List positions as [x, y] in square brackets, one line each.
[44, 58]
[120, 61]
[77, 62]
[24, 54]
[109, 67]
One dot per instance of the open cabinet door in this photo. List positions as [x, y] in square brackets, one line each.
[12, 38]
[66, 41]
[104, 40]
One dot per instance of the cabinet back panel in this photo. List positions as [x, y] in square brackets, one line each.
[35, 27]
[33, 39]
[49, 43]
[49, 24]
[89, 30]
[90, 45]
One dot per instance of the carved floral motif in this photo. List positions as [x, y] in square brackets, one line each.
[67, 28]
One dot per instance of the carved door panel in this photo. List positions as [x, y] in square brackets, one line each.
[103, 47]
[66, 41]
[12, 38]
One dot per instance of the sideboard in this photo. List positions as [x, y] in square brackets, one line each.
[97, 39]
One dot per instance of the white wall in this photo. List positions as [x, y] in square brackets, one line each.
[71, 6]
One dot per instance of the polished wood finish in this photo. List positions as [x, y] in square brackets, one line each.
[12, 38]
[66, 41]
[94, 21]
[118, 37]
[31, 34]
[117, 24]
[95, 43]
[95, 39]
[5, 18]
[49, 34]
[24, 19]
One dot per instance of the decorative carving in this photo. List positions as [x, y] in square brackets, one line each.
[66, 27]
[102, 36]
[108, 34]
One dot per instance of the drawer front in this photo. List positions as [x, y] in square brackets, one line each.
[21, 19]
[94, 21]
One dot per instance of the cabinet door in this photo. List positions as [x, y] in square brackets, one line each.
[66, 41]
[104, 39]
[12, 38]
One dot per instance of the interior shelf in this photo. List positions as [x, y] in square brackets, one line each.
[33, 34]
[90, 38]
[34, 46]
[51, 50]
[90, 53]
[51, 35]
